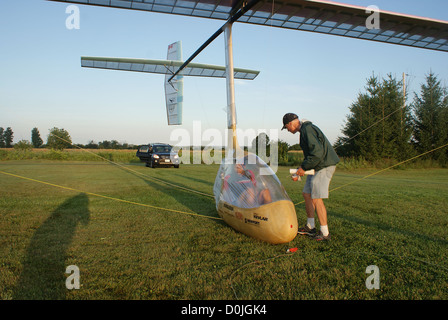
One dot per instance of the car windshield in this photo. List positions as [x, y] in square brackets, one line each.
[162, 149]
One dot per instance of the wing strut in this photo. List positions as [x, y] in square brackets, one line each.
[231, 20]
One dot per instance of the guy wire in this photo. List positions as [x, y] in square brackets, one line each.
[138, 173]
[194, 214]
[209, 195]
[382, 170]
[117, 199]
[107, 197]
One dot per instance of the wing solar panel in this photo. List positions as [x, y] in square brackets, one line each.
[306, 15]
[166, 67]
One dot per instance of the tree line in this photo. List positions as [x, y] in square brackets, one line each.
[58, 139]
[381, 125]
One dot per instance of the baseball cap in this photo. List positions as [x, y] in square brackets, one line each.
[287, 118]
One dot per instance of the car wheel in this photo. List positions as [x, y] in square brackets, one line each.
[176, 166]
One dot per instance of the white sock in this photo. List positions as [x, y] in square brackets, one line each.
[310, 223]
[324, 230]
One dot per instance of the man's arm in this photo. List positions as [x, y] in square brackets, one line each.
[315, 150]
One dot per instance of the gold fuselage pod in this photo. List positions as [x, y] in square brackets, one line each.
[274, 222]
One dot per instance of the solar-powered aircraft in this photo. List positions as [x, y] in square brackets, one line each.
[173, 87]
[248, 195]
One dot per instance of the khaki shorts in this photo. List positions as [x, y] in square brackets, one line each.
[318, 184]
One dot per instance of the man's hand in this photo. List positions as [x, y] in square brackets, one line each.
[300, 172]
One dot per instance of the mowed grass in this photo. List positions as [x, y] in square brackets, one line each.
[396, 220]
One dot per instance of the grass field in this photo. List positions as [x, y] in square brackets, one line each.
[396, 220]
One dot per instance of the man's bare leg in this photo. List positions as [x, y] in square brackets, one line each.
[309, 205]
[321, 211]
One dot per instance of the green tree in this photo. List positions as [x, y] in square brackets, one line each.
[261, 145]
[114, 144]
[92, 145]
[2, 138]
[396, 121]
[105, 144]
[35, 138]
[431, 118]
[59, 139]
[359, 133]
[283, 148]
[295, 147]
[8, 136]
[379, 124]
[23, 145]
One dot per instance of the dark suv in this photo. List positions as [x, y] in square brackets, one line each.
[158, 154]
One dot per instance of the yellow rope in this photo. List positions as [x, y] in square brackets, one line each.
[107, 197]
[136, 172]
[205, 194]
[382, 170]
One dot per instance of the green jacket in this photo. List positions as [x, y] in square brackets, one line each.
[317, 150]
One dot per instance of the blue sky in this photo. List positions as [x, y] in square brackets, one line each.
[316, 76]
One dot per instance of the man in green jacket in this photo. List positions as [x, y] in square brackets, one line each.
[320, 156]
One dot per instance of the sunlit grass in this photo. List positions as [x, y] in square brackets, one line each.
[396, 220]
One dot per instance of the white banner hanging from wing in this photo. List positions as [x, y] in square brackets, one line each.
[174, 89]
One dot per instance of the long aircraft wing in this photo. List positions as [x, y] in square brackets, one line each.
[307, 15]
[167, 67]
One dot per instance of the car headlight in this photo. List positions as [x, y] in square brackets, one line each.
[155, 156]
[176, 156]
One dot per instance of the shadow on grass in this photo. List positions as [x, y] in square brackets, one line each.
[387, 228]
[196, 203]
[210, 183]
[43, 275]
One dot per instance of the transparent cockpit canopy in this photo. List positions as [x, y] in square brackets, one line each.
[247, 182]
